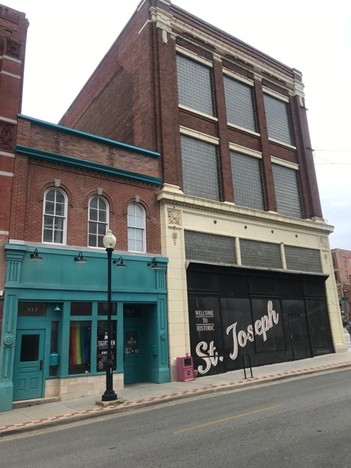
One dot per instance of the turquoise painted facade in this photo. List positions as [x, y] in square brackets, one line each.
[55, 316]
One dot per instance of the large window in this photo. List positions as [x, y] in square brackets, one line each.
[287, 191]
[98, 221]
[54, 216]
[247, 181]
[136, 227]
[200, 169]
[278, 119]
[240, 104]
[194, 85]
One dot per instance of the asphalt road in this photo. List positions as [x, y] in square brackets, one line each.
[304, 422]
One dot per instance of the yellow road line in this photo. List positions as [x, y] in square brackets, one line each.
[219, 421]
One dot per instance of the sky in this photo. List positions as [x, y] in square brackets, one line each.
[68, 38]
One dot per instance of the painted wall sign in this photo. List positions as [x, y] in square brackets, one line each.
[208, 351]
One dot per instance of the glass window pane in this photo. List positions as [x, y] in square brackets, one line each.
[194, 85]
[247, 181]
[79, 347]
[81, 308]
[260, 254]
[240, 104]
[209, 248]
[29, 348]
[200, 169]
[278, 120]
[287, 191]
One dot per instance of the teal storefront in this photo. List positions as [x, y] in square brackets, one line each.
[54, 327]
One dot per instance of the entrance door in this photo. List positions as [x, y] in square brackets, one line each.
[133, 369]
[300, 341]
[28, 377]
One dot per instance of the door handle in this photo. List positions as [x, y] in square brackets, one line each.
[41, 364]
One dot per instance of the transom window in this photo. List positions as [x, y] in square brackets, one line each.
[200, 168]
[278, 119]
[195, 85]
[247, 181]
[136, 227]
[55, 216]
[240, 104]
[287, 191]
[98, 221]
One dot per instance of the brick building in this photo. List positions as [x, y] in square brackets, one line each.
[67, 188]
[241, 221]
[216, 157]
[342, 269]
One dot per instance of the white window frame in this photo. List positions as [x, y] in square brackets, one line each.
[97, 222]
[55, 216]
[134, 227]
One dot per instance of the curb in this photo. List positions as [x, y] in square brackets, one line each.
[124, 406]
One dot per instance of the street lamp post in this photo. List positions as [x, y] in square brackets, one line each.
[109, 242]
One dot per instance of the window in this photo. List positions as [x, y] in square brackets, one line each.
[247, 181]
[287, 191]
[240, 104]
[136, 227]
[302, 259]
[79, 347]
[55, 216]
[278, 120]
[209, 248]
[260, 254]
[98, 221]
[200, 169]
[194, 85]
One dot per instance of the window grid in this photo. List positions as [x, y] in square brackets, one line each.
[247, 181]
[209, 248]
[200, 169]
[136, 227]
[260, 254]
[54, 219]
[98, 221]
[302, 259]
[278, 119]
[240, 104]
[287, 191]
[195, 88]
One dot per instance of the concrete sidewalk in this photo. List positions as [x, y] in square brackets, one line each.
[141, 395]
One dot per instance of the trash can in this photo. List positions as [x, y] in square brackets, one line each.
[185, 368]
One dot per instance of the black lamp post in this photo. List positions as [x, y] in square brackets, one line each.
[109, 242]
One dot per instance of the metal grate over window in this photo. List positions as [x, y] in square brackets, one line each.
[200, 169]
[260, 254]
[302, 259]
[278, 120]
[240, 104]
[247, 181]
[209, 248]
[195, 85]
[287, 191]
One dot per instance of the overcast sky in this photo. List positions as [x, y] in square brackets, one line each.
[68, 38]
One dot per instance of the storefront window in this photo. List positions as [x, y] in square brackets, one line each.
[79, 347]
[53, 369]
[268, 325]
[102, 343]
[81, 308]
[103, 308]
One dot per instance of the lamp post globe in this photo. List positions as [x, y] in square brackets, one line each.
[109, 242]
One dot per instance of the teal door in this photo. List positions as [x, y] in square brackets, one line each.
[133, 355]
[28, 376]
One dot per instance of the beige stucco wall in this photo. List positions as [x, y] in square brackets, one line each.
[180, 212]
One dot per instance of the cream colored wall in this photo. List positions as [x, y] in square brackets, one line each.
[180, 212]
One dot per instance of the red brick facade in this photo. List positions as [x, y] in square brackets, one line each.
[13, 32]
[139, 71]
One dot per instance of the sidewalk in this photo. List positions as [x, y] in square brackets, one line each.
[141, 395]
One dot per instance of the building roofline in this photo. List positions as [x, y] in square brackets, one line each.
[90, 136]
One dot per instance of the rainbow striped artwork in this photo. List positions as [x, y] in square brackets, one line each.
[79, 344]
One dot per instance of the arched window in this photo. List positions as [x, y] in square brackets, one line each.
[136, 228]
[98, 221]
[55, 216]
